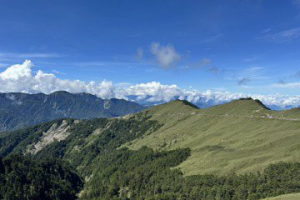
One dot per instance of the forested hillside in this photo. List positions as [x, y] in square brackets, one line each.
[153, 154]
[24, 178]
[146, 174]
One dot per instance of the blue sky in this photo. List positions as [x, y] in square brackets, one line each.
[247, 46]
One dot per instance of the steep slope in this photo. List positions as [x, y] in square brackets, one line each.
[19, 110]
[240, 136]
[78, 141]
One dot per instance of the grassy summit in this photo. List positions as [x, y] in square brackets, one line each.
[240, 136]
[295, 196]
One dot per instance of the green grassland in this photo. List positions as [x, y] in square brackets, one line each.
[286, 197]
[238, 137]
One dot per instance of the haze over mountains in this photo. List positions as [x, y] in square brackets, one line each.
[23, 78]
[209, 99]
[19, 110]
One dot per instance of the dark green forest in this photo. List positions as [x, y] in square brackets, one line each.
[143, 174]
[146, 174]
[23, 178]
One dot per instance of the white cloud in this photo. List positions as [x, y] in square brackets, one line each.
[155, 90]
[58, 72]
[203, 63]
[283, 36]
[296, 2]
[21, 78]
[287, 85]
[39, 55]
[166, 56]
[139, 53]
[31, 55]
[17, 72]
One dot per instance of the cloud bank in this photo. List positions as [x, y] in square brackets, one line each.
[21, 78]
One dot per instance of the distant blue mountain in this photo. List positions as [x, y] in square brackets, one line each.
[19, 110]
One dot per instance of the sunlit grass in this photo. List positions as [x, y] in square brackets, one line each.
[238, 137]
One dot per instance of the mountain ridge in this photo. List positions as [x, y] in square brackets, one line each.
[204, 152]
[242, 136]
[19, 110]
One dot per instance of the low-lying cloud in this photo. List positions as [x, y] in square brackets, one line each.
[21, 78]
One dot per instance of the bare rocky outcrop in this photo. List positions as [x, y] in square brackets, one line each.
[55, 133]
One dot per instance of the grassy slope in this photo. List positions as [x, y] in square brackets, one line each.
[234, 137]
[286, 197]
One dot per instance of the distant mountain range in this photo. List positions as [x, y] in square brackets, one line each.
[19, 110]
[204, 101]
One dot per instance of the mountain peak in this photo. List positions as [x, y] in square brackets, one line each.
[254, 101]
[172, 107]
[242, 106]
[185, 102]
[179, 104]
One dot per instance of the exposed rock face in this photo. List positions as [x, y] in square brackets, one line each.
[55, 133]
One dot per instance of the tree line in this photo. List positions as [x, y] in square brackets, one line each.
[148, 174]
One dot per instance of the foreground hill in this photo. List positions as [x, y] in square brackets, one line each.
[286, 197]
[240, 136]
[191, 153]
[19, 110]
